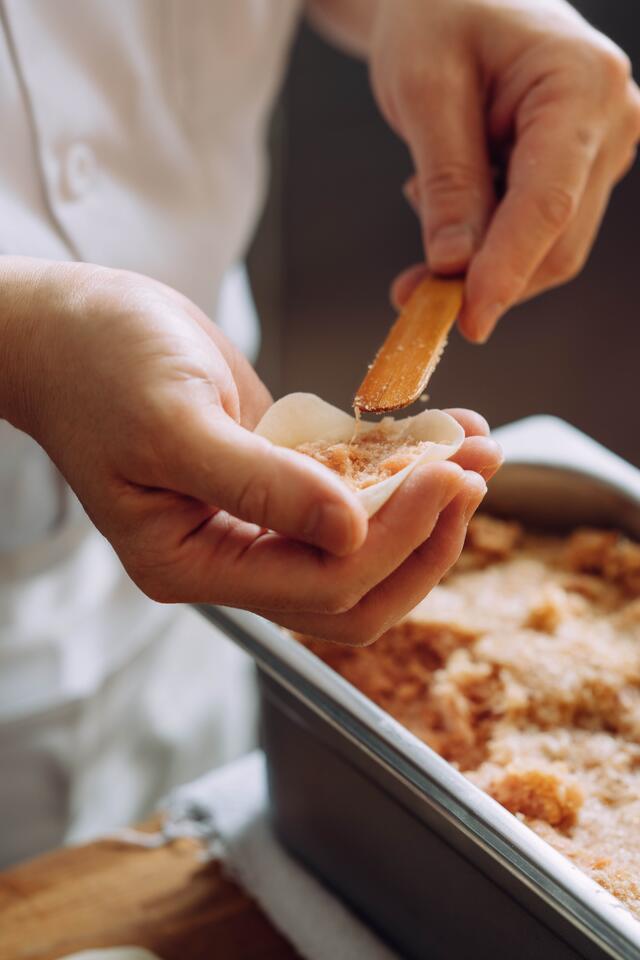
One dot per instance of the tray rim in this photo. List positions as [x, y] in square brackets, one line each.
[529, 858]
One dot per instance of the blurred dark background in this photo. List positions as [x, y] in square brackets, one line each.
[336, 230]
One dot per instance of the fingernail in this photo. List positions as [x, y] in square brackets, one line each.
[494, 465]
[451, 247]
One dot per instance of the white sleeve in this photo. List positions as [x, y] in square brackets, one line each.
[236, 314]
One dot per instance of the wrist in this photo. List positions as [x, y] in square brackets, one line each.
[20, 278]
[34, 295]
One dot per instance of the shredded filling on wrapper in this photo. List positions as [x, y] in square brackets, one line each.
[373, 459]
[367, 458]
[522, 669]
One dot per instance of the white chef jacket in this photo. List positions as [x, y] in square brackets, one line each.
[132, 136]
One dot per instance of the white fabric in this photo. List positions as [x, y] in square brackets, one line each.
[132, 137]
[234, 800]
[182, 704]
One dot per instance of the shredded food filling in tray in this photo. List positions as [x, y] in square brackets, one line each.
[368, 458]
[523, 670]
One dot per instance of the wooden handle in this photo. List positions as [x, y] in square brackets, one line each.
[414, 345]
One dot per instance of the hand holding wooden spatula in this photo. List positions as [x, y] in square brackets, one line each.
[414, 345]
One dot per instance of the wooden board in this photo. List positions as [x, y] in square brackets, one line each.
[109, 894]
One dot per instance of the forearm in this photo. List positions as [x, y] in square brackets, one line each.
[36, 295]
[20, 278]
[346, 23]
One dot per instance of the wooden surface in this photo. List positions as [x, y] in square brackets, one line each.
[409, 355]
[109, 894]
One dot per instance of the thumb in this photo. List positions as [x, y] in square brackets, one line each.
[220, 463]
[445, 132]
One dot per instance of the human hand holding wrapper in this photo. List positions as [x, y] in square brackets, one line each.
[298, 418]
[404, 364]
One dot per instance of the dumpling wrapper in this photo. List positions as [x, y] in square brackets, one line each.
[305, 418]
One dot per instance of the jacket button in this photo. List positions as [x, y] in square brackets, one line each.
[79, 171]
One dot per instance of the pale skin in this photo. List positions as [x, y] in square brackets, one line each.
[148, 410]
[526, 85]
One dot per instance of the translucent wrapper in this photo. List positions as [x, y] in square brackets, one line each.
[304, 418]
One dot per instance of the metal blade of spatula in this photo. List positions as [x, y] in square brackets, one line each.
[414, 345]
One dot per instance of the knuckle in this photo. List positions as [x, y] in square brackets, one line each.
[556, 206]
[359, 632]
[340, 602]
[338, 594]
[362, 638]
[415, 79]
[160, 593]
[565, 264]
[587, 137]
[153, 586]
[628, 162]
[253, 501]
[158, 579]
[633, 116]
[449, 180]
[366, 625]
[615, 67]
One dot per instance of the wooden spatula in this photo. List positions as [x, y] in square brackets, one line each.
[409, 355]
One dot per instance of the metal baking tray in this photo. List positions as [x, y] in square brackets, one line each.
[436, 866]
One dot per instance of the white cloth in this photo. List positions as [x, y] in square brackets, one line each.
[233, 801]
[132, 137]
[182, 704]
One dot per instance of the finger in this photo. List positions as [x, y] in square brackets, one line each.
[411, 194]
[570, 253]
[217, 461]
[405, 283]
[400, 593]
[454, 183]
[250, 399]
[253, 395]
[473, 424]
[549, 169]
[254, 398]
[481, 455]
[239, 565]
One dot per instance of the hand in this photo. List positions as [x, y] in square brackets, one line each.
[147, 410]
[412, 542]
[526, 85]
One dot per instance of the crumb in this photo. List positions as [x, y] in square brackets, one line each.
[368, 458]
[522, 669]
